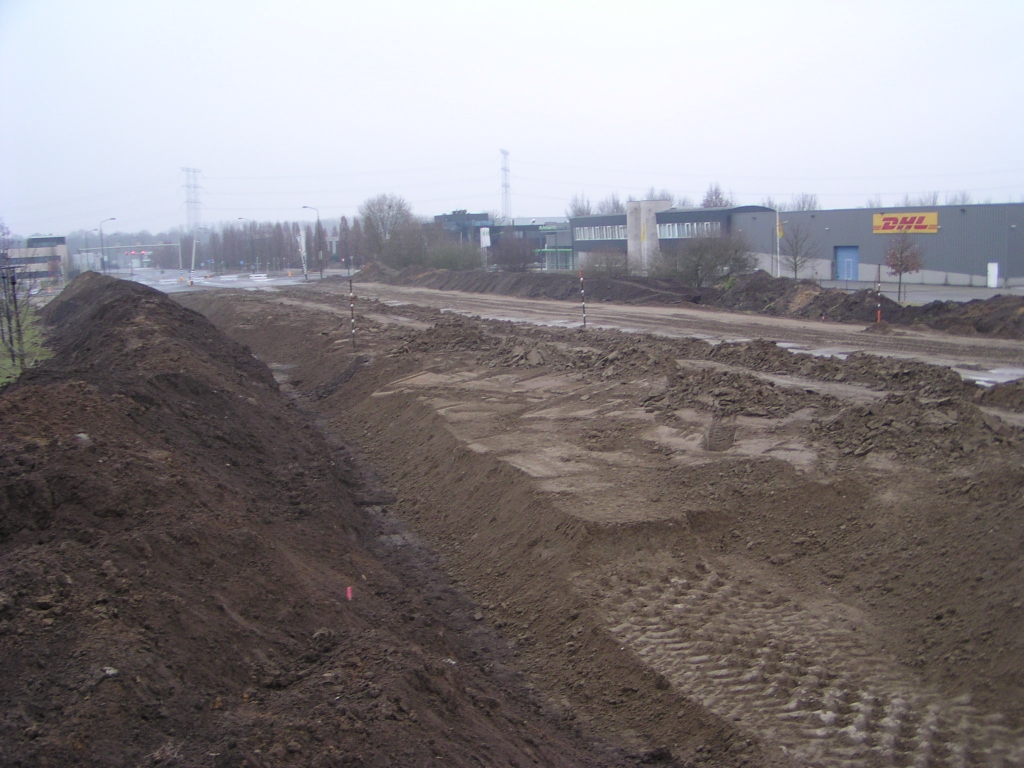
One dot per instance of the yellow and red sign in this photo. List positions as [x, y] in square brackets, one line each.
[905, 223]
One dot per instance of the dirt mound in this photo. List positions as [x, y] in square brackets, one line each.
[823, 554]
[760, 292]
[1009, 396]
[1001, 316]
[186, 577]
[560, 286]
[375, 272]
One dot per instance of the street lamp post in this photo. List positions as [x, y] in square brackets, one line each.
[778, 241]
[103, 258]
[195, 236]
[319, 244]
[252, 249]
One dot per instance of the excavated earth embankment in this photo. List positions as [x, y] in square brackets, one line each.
[191, 574]
[720, 554]
[1001, 316]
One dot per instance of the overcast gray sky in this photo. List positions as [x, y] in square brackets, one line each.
[285, 104]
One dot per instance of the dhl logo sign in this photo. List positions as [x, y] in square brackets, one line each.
[916, 223]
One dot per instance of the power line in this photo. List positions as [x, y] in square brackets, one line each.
[191, 198]
[379, 172]
[506, 188]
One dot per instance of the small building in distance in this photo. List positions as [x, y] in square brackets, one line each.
[42, 257]
[464, 226]
[630, 242]
[549, 237]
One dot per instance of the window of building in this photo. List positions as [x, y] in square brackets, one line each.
[605, 232]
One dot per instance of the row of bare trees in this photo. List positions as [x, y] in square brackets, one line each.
[399, 239]
[705, 261]
[20, 341]
[580, 205]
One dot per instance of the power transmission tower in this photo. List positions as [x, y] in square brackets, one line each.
[506, 189]
[191, 198]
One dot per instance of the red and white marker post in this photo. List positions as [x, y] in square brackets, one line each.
[583, 300]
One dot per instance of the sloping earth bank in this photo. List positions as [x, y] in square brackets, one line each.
[719, 549]
[1000, 316]
[191, 575]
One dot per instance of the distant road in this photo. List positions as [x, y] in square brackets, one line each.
[920, 293]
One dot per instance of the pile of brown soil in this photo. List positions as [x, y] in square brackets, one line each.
[1001, 316]
[1009, 396]
[191, 575]
[879, 581]
[558, 286]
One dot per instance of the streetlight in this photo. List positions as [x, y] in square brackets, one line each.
[320, 249]
[778, 241]
[195, 236]
[252, 250]
[103, 260]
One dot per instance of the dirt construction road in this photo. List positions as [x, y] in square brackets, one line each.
[719, 325]
[740, 554]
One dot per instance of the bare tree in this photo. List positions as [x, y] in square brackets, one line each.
[611, 204]
[606, 264]
[805, 201]
[511, 253]
[962, 197]
[309, 245]
[318, 240]
[653, 194]
[406, 246]
[658, 194]
[18, 338]
[446, 250]
[357, 244]
[925, 198]
[798, 247]
[14, 308]
[578, 206]
[344, 243]
[382, 216]
[873, 202]
[703, 261]
[902, 257]
[715, 198]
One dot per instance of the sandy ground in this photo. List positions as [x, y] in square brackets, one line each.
[693, 539]
[811, 336]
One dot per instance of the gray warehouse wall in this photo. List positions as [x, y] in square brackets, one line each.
[968, 238]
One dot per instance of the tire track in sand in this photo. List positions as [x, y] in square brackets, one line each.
[803, 683]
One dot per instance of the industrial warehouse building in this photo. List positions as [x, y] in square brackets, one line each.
[632, 241]
[979, 245]
[974, 245]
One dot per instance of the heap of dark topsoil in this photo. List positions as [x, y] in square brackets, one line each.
[1000, 316]
[177, 546]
